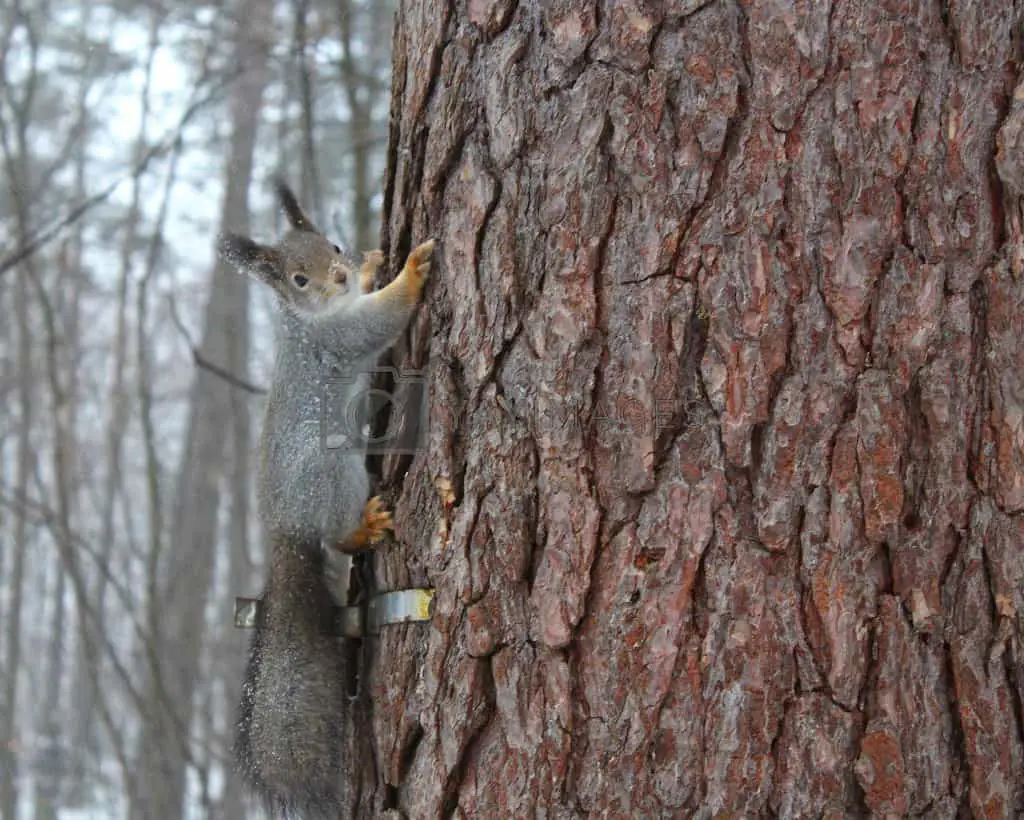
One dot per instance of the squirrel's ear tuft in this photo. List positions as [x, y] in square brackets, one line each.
[298, 218]
[257, 260]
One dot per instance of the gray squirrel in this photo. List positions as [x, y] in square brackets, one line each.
[313, 501]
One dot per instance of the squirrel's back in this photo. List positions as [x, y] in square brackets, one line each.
[290, 732]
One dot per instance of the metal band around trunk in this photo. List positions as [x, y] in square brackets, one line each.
[398, 607]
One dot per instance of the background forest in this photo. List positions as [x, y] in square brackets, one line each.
[131, 364]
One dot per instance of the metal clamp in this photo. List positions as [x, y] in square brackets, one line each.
[403, 606]
[399, 607]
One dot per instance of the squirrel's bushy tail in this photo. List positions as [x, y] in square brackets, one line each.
[290, 732]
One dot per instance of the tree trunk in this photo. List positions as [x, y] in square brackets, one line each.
[17, 164]
[233, 642]
[723, 494]
[85, 749]
[179, 611]
[359, 80]
[49, 758]
[11, 743]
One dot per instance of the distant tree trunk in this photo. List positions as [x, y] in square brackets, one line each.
[310, 189]
[85, 747]
[233, 641]
[365, 34]
[724, 491]
[14, 139]
[49, 755]
[11, 745]
[186, 575]
[63, 361]
[358, 82]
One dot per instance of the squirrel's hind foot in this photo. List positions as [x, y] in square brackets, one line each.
[376, 522]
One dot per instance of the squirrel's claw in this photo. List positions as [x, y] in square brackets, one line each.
[376, 521]
[422, 253]
[407, 287]
[372, 260]
[419, 259]
[417, 267]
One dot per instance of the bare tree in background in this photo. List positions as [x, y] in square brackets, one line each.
[311, 189]
[85, 746]
[15, 578]
[234, 644]
[364, 81]
[117, 578]
[179, 609]
[164, 747]
[62, 368]
[341, 128]
[724, 489]
[18, 172]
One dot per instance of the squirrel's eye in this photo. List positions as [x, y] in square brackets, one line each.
[337, 250]
[300, 281]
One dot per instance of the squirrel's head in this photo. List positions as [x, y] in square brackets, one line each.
[308, 272]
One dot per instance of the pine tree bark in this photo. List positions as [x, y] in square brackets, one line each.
[723, 494]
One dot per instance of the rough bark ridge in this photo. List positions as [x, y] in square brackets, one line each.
[724, 492]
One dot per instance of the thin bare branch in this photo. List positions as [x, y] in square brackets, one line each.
[46, 235]
[202, 362]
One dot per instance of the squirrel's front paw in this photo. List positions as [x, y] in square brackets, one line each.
[417, 266]
[376, 521]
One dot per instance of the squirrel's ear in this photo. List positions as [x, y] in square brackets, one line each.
[257, 260]
[298, 218]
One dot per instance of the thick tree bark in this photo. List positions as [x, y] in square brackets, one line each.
[724, 485]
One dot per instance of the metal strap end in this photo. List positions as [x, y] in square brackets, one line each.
[247, 612]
